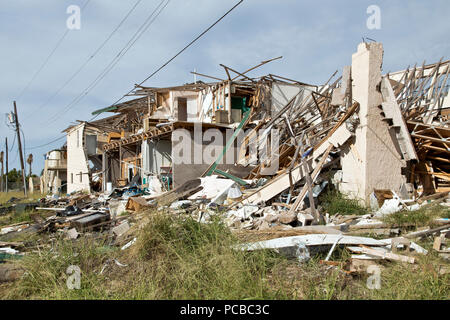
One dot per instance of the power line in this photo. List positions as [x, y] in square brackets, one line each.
[15, 158]
[147, 23]
[47, 59]
[46, 144]
[12, 147]
[88, 59]
[179, 52]
[160, 68]
[121, 53]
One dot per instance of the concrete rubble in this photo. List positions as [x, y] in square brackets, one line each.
[380, 139]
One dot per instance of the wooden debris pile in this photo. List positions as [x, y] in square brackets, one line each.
[422, 95]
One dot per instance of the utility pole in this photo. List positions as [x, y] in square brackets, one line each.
[1, 160]
[6, 178]
[20, 149]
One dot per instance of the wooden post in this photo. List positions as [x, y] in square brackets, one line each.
[104, 171]
[1, 160]
[229, 101]
[309, 185]
[19, 142]
[120, 162]
[222, 96]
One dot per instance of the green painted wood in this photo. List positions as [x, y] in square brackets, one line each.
[229, 143]
[230, 176]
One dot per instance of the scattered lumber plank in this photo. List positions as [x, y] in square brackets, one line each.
[185, 190]
[383, 254]
[418, 234]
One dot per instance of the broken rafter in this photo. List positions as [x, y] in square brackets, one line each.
[257, 66]
[152, 133]
[237, 72]
[206, 76]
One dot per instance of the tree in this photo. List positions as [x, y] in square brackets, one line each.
[14, 175]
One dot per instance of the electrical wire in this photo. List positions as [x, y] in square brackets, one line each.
[46, 144]
[47, 59]
[159, 69]
[148, 22]
[179, 52]
[91, 56]
[131, 42]
[15, 158]
[24, 145]
[14, 141]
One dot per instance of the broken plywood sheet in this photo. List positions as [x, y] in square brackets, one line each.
[337, 98]
[136, 204]
[339, 94]
[81, 201]
[280, 232]
[311, 240]
[10, 272]
[213, 188]
[121, 228]
[317, 229]
[185, 190]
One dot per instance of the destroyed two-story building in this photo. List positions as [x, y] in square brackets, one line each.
[394, 137]
[140, 141]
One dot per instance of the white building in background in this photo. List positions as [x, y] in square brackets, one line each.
[54, 178]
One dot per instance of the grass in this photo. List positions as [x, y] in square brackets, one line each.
[13, 217]
[173, 258]
[19, 217]
[401, 281]
[335, 202]
[5, 196]
[45, 276]
[178, 258]
[421, 217]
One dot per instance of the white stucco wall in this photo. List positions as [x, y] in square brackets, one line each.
[373, 162]
[76, 161]
[192, 100]
[192, 108]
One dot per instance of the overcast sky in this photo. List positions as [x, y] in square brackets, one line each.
[315, 38]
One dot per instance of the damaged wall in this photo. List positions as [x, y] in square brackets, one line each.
[155, 154]
[184, 105]
[200, 156]
[372, 160]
